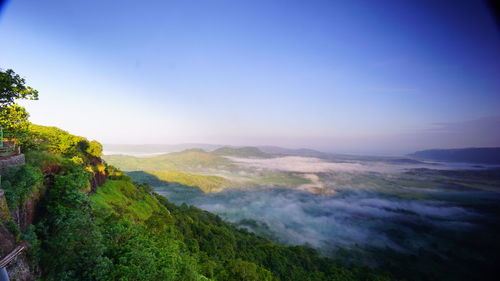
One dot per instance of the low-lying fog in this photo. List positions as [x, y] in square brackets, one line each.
[362, 211]
[317, 165]
[350, 218]
[357, 205]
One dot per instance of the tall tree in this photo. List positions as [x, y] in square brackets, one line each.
[13, 87]
[14, 118]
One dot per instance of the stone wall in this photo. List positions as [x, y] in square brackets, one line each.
[14, 160]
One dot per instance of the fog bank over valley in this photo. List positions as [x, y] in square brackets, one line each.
[342, 205]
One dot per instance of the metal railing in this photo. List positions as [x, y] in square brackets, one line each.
[4, 276]
[12, 255]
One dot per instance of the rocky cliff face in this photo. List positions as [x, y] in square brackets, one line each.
[4, 208]
[16, 221]
[7, 240]
[26, 214]
[99, 171]
[20, 268]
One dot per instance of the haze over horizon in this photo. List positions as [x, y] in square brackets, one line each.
[385, 77]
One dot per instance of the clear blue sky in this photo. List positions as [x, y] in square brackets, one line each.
[386, 76]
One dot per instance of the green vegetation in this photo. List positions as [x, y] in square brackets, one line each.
[246, 152]
[18, 184]
[13, 87]
[188, 160]
[14, 118]
[62, 143]
[205, 183]
[121, 197]
[14, 121]
[72, 246]
[277, 178]
[211, 183]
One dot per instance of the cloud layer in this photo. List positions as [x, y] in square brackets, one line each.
[348, 219]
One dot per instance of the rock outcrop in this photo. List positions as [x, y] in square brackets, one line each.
[14, 160]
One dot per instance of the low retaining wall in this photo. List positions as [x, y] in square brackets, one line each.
[15, 160]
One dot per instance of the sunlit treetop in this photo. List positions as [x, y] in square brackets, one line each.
[12, 87]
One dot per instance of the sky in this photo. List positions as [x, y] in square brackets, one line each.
[375, 77]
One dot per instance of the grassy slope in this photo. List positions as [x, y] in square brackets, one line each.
[246, 152]
[186, 160]
[122, 198]
[205, 183]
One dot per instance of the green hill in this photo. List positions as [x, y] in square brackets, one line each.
[188, 160]
[204, 182]
[245, 152]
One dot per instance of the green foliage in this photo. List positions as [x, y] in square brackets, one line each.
[72, 245]
[60, 142]
[14, 118]
[13, 228]
[14, 121]
[189, 160]
[141, 255]
[205, 183]
[55, 140]
[48, 163]
[116, 174]
[245, 152]
[34, 250]
[12, 87]
[242, 270]
[232, 248]
[122, 198]
[94, 149]
[18, 184]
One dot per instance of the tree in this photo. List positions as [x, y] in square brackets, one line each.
[14, 121]
[12, 87]
[14, 118]
[94, 149]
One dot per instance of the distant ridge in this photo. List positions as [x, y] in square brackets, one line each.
[480, 155]
[246, 151]
[138, 149]
[290, 151]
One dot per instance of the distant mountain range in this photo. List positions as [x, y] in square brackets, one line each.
[138, 149]
[483, 155]
[228, 150]
[486, 155]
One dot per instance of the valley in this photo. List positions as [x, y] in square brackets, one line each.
[383, 212]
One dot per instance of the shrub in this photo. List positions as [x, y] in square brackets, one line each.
[18, 184]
